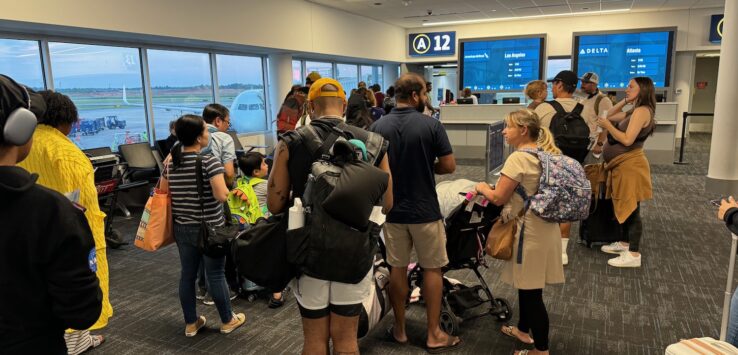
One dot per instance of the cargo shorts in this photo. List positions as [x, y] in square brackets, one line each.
[428, 239]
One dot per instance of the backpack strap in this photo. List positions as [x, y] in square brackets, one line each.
[315, 145]
[557, 106]
[578, 108]
[597, 103]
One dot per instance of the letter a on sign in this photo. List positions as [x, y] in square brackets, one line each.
[421, 44]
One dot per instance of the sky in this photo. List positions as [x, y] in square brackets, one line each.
[91, 66]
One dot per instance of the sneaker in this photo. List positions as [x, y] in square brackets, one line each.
[565, 259]
[232, 294]
[626, 259]
[192, 329]
[202, 293]
[208, 300]
[614, 248]
[239, 318]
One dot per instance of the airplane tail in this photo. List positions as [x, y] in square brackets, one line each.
[125, 97]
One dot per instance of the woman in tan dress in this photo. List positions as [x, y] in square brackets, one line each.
[541, 257]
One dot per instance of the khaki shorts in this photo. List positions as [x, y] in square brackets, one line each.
[429, 240]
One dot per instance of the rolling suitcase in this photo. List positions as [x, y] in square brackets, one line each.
[601, 227]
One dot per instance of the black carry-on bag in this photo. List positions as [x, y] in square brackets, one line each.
[601, 227]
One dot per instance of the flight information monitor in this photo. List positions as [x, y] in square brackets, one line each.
[618, 57]
[500, 64]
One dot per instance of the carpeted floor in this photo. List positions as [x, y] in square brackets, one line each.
[678, 293]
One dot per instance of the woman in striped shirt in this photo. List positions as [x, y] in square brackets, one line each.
[181, 182]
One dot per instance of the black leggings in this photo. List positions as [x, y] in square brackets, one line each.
[534, 317]
[633, 229]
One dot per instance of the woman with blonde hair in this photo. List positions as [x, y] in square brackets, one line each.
[541, 255]
[536, 90]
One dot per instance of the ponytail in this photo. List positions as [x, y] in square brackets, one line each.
[176, 154]
[546, 142]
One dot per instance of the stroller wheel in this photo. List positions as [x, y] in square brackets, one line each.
[449, 322]
[502, 310]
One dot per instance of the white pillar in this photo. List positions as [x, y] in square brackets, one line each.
[389, 71]
[683, 82]
[722, 174]
[280, 82]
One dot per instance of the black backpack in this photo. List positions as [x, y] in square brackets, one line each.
[338, 242]
[570, 131]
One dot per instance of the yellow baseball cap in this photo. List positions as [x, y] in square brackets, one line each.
[313, 76]
[316, 90]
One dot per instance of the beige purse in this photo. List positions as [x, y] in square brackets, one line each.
[501, 238]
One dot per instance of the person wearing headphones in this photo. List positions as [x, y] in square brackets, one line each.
[47, 252]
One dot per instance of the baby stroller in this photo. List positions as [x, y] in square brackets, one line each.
[467, 227]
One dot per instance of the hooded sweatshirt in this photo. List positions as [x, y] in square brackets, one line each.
[47, 263]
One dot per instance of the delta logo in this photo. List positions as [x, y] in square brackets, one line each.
[594, 51]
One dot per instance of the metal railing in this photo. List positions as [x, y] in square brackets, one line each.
[686, 115]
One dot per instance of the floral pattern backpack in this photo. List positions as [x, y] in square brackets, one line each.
[564, 192]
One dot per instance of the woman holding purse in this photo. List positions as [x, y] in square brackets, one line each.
[180, 180]
[541, 255]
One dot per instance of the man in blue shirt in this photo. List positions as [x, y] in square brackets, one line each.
[416, 141]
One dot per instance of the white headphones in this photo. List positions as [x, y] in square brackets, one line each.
[21, 122]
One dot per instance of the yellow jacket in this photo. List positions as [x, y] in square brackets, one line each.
[628, 181]
[61, 166]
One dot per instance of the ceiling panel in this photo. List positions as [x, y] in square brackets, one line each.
[415, 13]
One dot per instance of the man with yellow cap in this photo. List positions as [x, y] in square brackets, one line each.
[329, 309]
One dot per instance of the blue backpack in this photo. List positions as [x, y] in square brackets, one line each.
[564, 192]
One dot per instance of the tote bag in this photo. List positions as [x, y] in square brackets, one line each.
[155, 229]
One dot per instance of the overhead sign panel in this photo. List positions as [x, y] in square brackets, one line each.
[716, 28]
[432, 44]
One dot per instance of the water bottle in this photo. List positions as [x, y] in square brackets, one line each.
[296, 216]
[599, 130]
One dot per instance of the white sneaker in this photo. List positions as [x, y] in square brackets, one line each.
[626, 259]
[565, 259]
[614, 248]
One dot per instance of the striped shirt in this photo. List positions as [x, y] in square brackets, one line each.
[183, 189]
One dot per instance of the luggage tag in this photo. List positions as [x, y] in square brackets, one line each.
[476, 217]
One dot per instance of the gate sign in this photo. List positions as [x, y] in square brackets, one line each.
[432, 44]
[716, 28]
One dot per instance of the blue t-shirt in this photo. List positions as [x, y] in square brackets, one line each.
[416, 140]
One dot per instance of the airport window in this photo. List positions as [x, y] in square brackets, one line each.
[297, 76]
[380, 77]
[324, 69]
[241, 89]
[21, 60]
[180, 84]
[106, 86]
[370, 75]
[347, 75]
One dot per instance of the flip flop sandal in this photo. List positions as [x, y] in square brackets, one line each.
[390, 334]
[523, 352]
[450, 346]
[97, 340]
[508, 330]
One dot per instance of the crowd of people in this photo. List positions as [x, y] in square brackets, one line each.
[68, 275]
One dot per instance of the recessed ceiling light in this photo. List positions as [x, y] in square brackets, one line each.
[377, 3]
[493, 10]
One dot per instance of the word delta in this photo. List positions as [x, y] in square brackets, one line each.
[594, 50]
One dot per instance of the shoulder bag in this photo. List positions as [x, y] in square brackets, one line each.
[213, 241]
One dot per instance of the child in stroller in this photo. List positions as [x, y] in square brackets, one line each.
[467, 227]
